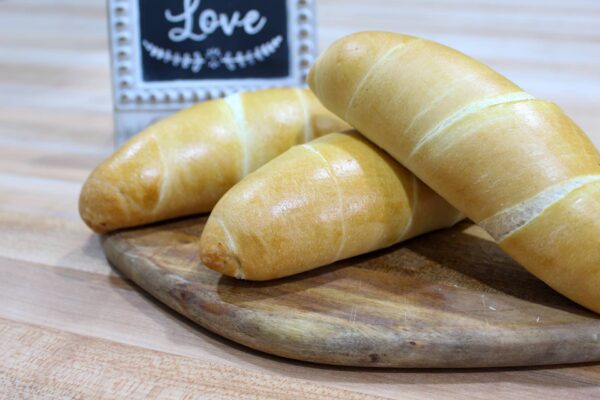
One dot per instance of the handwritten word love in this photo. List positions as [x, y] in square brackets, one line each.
[209, 21]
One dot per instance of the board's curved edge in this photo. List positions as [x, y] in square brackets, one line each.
[171, 291]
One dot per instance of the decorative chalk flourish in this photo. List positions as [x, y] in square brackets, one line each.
[214, 57]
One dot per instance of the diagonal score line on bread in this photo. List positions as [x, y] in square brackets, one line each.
[440, 99]
[398, 48]
[340, 197]
[509, 221]
[234, 102]
[308, 128]
[165, 181]
[472, 108]
[414, 182]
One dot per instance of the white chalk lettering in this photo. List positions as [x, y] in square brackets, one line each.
[209, 21]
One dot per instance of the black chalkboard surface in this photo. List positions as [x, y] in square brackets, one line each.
[213, 39]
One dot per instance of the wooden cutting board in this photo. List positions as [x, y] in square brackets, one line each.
[448, 299]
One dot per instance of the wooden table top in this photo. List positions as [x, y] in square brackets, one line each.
[71, 326]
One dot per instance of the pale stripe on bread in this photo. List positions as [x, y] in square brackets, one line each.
[509, 221]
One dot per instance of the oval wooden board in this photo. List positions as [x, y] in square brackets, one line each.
[448, 299]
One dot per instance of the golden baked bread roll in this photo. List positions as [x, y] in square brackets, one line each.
[333, 198]
[183, 164]
[516, 165]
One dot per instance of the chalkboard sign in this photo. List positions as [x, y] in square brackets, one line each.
[169, 54]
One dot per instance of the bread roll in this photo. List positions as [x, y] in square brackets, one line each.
[330, 199]
[516, 165]
[183, 164]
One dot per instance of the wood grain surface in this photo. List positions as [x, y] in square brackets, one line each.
[450, 299]
[71, 326]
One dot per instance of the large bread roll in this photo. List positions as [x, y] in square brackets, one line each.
[516, 165]
[330, 199]
[183, 164]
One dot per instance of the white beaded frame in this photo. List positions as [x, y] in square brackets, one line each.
[131, 93]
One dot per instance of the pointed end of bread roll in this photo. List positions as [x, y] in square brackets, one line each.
[217, 250]
[101, 205]
[351, 57]
[125, 189]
